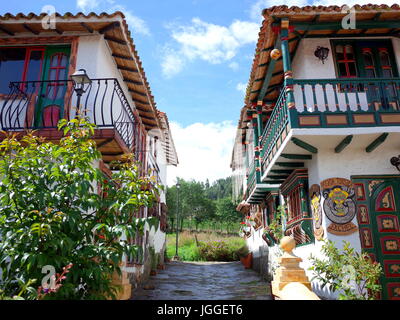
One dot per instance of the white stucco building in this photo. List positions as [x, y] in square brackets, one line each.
[36, 91]
[320, 134]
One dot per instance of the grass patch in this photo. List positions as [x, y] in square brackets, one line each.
[208, 247]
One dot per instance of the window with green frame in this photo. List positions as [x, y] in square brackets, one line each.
[368, 58]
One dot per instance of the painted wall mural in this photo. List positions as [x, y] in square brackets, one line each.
[339, 205]
[315, 200]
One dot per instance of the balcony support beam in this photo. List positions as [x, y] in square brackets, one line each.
[281, 171]
[270, 72]
[296, 156]
[360, 25]
[377, 142]
[290, 164]
[343, 144]
[304, 145]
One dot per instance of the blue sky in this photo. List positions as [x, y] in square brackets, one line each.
[197, 56]
[203, 90]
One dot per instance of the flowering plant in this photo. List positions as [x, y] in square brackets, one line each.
[57, 279]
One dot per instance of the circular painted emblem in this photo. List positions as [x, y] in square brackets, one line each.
[339, 204]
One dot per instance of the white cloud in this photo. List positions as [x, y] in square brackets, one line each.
[211, 42]
[87, 5]
[204, 151]
[241, 87]
[234, 66]
[136, 24]
[171, 63]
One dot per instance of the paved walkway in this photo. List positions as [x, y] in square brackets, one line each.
[204, 281]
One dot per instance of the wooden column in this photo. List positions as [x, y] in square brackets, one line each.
[257, 164]
[287, 68]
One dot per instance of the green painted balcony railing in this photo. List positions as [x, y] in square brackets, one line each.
[251, 181]
[332, 103]
[277, 124]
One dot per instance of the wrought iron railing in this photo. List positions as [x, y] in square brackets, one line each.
[41, 104]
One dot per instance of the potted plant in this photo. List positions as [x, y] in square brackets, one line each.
[246, 257]
[154, 261]
[245, 230]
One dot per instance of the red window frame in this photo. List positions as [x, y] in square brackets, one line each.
[346, 61]
[28, 53]
[294, 200]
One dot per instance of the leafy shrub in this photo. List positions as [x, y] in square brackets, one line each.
[242, 251]
[353, 274]
[218, 251]
[51, 213]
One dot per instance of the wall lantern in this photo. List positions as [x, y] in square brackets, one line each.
[321, 53]
[395, 161]
[81, 84]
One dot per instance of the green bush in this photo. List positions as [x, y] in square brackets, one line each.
[51, 213]
[218, 251]
[242, 251]
[353, 274]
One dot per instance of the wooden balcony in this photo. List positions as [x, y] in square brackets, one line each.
[327, 107]
[38, 105]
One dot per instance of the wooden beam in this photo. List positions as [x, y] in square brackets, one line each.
[281, 171]
[278, 177]
[377, 142]
[270, 72]
[296, 156]
[88, 28]
[102, 144]
[28, 28]
[116, 40]
[122, 57]
[367, 24]
[109, 27]
[6, 31]
[138, 83]
[127, 68]
[275, 181]
[343, 144]
[290, 164]
[137, 92]
[304, 145]
[141, 101]
[350, 35]
[59, 31]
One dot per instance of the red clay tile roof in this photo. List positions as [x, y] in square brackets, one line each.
[6, 21]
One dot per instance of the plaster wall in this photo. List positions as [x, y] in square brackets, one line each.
[306, 66]
[95, 57]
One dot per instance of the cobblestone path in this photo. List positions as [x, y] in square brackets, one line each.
[204, 281]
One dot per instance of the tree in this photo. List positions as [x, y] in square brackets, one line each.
[51, 213]
[226, 212]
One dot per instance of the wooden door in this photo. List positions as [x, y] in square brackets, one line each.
[50, 106]
[378, 213]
